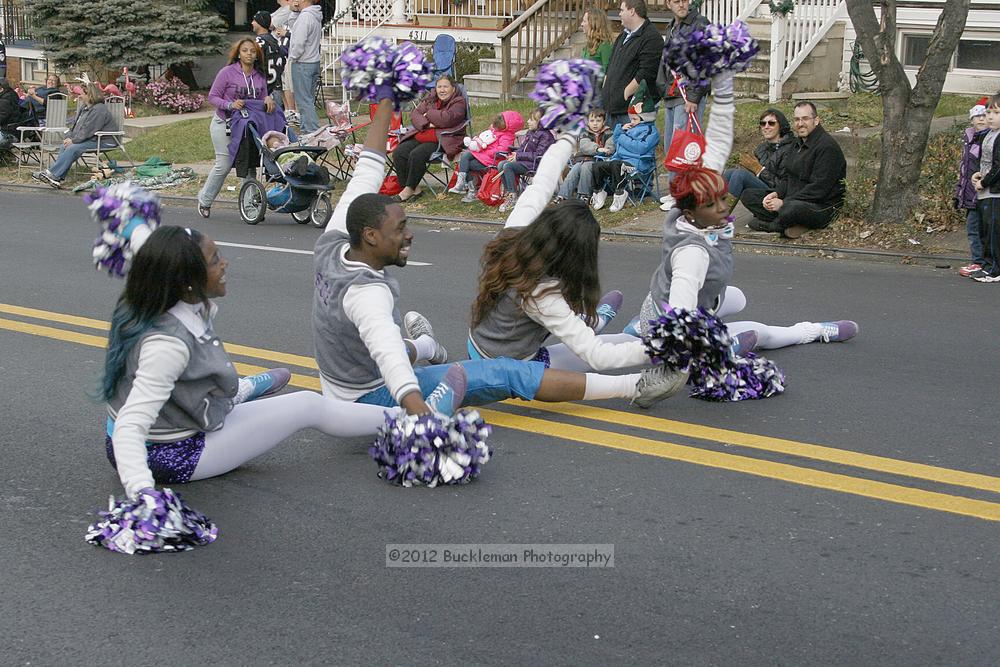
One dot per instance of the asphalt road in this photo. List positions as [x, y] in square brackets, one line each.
[852, 520]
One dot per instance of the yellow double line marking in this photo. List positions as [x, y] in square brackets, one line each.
[689, 454]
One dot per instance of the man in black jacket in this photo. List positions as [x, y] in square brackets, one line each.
[635, 57]
[810, 187]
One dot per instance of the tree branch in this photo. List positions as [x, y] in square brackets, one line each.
[878, 41]
[944, 41]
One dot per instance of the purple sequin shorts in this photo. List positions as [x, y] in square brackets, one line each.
[170, 462]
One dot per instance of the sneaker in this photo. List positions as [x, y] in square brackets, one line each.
[559, 199]
[618, 202]
[627, 169]
[508, 202]
[597, 199]
[983, 277]
[448, 395]
[967, 270]
[632, 328]
[744, 342]
[264, 384]
[979, 273]
[45, 176]
[471, 194]
[658, 383]
[839, 331]
[667, 199]
[416, 325]
[607, 309]
[460, 185]
[667, 205]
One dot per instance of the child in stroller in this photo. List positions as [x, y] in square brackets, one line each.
[294, 182]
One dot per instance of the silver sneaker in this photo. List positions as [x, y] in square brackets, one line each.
[597, 199]
[471, 195]
[658, 383]
[416, 325]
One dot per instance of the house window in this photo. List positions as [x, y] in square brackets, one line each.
[33, 70]
[915, 49]
[978, 54]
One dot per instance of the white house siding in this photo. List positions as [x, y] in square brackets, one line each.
[983, 23]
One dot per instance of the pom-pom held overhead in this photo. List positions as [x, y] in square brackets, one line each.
[565, 90]
[700, 341]
[127, 215]
[375, 62]
[154, 522]
[427, 450]
[698, 55]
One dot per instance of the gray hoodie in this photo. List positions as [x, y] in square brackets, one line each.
[307, 35]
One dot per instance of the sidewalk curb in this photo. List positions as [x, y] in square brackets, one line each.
[939, 261]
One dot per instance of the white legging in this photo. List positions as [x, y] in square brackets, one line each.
[768, 337]
[258, 426]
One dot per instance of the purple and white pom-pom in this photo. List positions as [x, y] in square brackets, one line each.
[700, 342]
[432, 449]
[565, 90]
[698, 55]
[680, 338]
[375, 62]
[156, 521]
[742, 378]
[127, 215]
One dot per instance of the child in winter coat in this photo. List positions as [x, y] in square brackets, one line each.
[986, 181]
[965, 193]
[635, 150]
[525, 159]
[596, 141]
[504, 127]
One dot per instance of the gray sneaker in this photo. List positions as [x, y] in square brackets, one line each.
[471, 194]
[658, 383]
[416, 325]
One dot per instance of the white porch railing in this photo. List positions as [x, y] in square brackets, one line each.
[491, 9]
[793, 37]
[358, 20]
[727, 11]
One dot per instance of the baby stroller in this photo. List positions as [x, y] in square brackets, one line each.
[306, 198]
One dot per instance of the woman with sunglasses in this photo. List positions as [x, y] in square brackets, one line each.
[760, 170]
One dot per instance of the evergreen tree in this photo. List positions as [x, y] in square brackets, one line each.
[93, 35]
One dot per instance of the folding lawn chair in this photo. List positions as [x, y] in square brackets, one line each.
[641, 184]
[444, 55]
[113, 139]
[36, 142]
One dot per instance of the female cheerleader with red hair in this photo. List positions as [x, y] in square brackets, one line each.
[697, 260]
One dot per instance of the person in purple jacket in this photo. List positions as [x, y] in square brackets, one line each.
[965, 193]
[244, 78]
[525, 159]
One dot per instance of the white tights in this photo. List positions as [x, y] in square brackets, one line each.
[258, 426]
[768, 337]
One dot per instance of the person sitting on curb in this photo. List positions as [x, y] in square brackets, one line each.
[761, 169]
[810, 188]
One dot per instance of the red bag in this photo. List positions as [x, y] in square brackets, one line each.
[491, 188]
[390, 186]
[686, 147]
[453, 179]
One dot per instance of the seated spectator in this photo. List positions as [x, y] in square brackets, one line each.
[505, 126]
[92, 116]
[11, 113]
[435, 119]
[810, 186]
[525, 159]
[635, 150]
[37, 99]
[596, 140]
[761, 169]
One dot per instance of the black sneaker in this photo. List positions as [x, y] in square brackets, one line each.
[759, 225]
[986, 277]
[979, 273]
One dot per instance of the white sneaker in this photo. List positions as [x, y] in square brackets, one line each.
[597, 199]
[618, 203]
[659, 383]
[667, 203]
[460, 184]
[471, 194]
[416, 325]
[666, 198]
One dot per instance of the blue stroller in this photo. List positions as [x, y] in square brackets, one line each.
[306, 198]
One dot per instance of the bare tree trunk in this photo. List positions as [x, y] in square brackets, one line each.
[907, 111]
